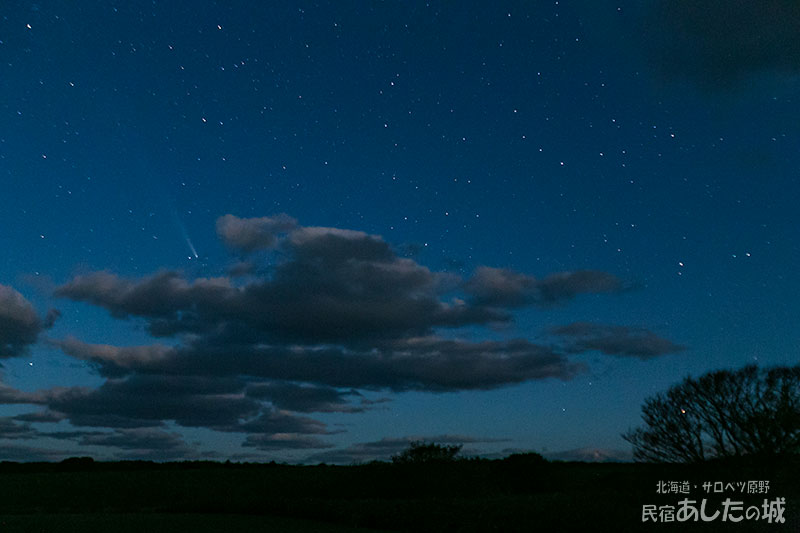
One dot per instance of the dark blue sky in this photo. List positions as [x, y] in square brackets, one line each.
[315, 231]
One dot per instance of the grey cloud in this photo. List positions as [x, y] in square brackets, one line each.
[50, 318]
[148, 401]
[143, 439]
[334, 245]
[71, 435]
[336, 285]
[304, 398]
[115, 359]
[32, 454]
[138, 406]
[432, 363]
[616, 340]
[566, 285]
[132, 443]
[422, 363]
[592, 455]
[10, 395]
[40, 416]
[275, 422]
[499, 287]
[283, 442]
[241, 269]
[401, 443]
[410, 249]
[11, 428]
[19, 323]
[250, 234]
[162, 295]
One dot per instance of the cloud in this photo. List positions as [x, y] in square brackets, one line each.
[319, 314]
[133, 443]
[40, 416]
[319, 295]
[333, 285]
[718, 42]
[160, 296]
[250, 234]
[31, 454]
[621, 341]
[13, 429]
[115, 359]
[592, 455]
[284, 442]
[567, 285]
[20, 325]
[336, 246]
[139, 439]
[140, 405]
[417, 363]
[242, 268]
[278, 430]
[149, 401]
[275, 422]
[500, 287]
[304, 398]
[138, 432]
[50, 318]
[69, 435]
[10, 395]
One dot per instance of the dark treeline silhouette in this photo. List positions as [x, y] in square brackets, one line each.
[720, 415]
[521, 492]
[438, 491]
[419, 452]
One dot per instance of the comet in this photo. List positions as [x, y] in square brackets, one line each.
[191, 246]
[185, 235]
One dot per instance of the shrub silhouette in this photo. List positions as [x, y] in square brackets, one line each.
[525, 459]
[419, 452]
[722, 414]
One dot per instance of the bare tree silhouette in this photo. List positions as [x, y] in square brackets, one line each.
[746, 412]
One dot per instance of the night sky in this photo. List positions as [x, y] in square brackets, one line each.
[314, 232]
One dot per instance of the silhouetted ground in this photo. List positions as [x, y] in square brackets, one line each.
[515, 494]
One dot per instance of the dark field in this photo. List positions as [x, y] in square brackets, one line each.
[517, 494]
